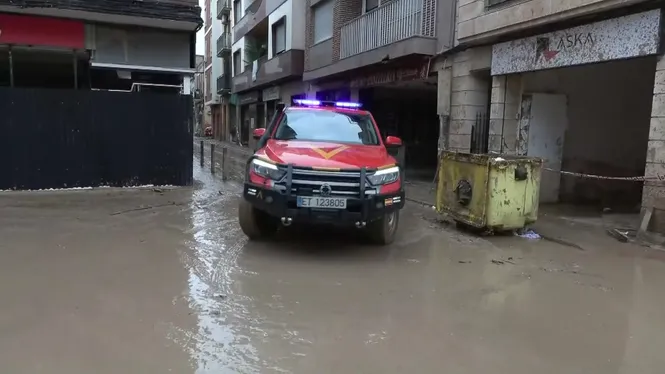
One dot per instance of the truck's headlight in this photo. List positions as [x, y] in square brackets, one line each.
[266, 169]
[384, 176]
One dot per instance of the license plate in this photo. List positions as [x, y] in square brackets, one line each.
[321, 202]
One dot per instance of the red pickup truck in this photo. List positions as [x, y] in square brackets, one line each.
[322, 162]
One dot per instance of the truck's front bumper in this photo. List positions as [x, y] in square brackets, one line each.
[279, 204]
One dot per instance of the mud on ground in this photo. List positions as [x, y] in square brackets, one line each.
[138, 281]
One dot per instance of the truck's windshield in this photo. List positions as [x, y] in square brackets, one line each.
[326, 126]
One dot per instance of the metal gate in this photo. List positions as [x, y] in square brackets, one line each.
[74, 138]
[480, 134]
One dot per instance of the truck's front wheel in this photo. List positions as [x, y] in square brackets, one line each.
[255, 223]
[382, 231]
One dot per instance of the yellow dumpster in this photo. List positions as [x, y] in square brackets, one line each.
[497, 192]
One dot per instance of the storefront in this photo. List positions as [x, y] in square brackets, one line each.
[580, 98]
[42, 52]
[271, 97]
[249, 108]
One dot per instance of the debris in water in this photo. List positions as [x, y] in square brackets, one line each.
[464, 262]
[158, 190]
[621, 236]
[497, 262]
[170, 203]
[527, 234]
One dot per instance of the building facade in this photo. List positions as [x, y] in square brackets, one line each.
[114, 45]
[381, 52]
[114, 76]
[266, 61]
[578, 84]
[378, 52]
[217, 39]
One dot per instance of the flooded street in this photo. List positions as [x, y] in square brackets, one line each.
[144, 281]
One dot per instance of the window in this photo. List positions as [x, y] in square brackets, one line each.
[326, 126]
[323, 19]
[279, 36]
[237, 11]
[371, 5]
[237, 63]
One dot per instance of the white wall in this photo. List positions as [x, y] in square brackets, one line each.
[238, 46]
[295, 25]
[609, 110]
[298, 26]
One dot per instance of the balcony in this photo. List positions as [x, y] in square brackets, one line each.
[223, 85]
[284, 66]
[223, 44]
[223, 8]
[396, 21]
[255, 14]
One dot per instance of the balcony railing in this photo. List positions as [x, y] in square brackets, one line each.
[223, 8]
[223, 84]
[223, 44]
[390, 23]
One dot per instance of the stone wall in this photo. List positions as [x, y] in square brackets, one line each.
[504, 110]
[653, 193]
[469, 97]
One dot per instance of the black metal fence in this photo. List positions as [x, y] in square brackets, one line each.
[480, 134]
[74, 138]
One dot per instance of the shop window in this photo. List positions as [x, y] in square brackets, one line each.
[323, 21]
[279, 36]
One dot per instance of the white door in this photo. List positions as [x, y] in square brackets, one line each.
[547, 128]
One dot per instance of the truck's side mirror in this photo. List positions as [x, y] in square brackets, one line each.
[258, 133]
[393, 142]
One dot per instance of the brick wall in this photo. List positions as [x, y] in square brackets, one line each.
[309, 31]
[469, 97]
[343, 12]
[208, 20]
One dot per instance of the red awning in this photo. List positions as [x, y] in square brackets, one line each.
[41, 31]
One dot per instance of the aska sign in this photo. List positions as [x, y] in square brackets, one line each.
[41, 31]
[618, 38]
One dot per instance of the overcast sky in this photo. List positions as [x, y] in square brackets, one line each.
[200, 39]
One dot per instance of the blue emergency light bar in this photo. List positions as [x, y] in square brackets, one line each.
[340, 104]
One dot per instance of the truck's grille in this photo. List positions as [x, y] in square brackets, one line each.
[307, 182]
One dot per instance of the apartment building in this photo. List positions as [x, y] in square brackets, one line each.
[90, 70]
[218, 45]
[380, 52]
[579, 84]
[267, 58]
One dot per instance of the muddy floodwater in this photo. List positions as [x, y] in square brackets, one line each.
[144, 281]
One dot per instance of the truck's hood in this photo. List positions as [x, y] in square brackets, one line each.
[324, 154]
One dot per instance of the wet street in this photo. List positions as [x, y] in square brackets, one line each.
[144, 281]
